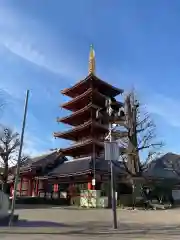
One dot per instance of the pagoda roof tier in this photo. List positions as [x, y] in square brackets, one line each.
[82, 131]
[82, 148]
[80, 116]
[81, 101]
[89, 96]
[92, 81]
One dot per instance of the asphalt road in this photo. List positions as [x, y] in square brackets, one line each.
[60, 223]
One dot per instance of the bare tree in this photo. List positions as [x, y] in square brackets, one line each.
[9, 147]
[141, 136]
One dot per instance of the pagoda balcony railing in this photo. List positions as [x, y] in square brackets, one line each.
[80, 142]
[74, 128]
[84, 141]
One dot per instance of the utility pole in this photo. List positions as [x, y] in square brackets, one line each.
[19, 160]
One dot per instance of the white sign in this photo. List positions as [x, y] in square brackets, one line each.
[93, 182]
[111, 151]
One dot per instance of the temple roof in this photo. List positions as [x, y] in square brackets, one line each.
[84, 166]
[73, 167]
[82, 131]
[92, 80]
[45, 161]
[167, 167]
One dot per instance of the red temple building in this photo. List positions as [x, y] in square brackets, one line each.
[31, 182]
[55, 176]
[87, 169]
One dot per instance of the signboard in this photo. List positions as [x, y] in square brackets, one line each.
[93, 182]
[111, 151]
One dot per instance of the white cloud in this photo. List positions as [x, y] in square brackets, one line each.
[34, 142]
[27, 39]
[30, 40]
[165, 107]
[34, 146]
[27, 51]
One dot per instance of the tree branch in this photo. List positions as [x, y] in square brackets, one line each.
[141, 135]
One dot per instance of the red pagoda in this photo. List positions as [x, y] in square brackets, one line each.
[87, 132]
[54, 173]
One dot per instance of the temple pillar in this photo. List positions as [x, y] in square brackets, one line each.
[37, 187]
[55, 188]
[20, 186]
[90, 186]
[45, 186]
[30, 187]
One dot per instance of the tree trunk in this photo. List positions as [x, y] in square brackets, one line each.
[5, 178]
[137, 184]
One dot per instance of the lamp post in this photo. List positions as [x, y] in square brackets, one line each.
[113, 196]
[111, 154]
[111, 147]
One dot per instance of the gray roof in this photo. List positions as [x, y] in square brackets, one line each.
[55, 165]
[46, 161]
[84, 165]
[167, 167]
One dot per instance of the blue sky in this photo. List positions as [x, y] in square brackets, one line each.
[44, 46]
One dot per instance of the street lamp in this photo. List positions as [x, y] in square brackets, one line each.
[111, 147]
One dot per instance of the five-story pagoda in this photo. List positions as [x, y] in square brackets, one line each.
[88, 131]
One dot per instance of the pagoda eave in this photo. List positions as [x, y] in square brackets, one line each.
[82, 85]
[82, 148]
[79, 116]
[90, 96]
[82, 130]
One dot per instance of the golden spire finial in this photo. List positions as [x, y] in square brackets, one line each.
[91, 61]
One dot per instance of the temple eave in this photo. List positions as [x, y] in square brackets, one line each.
[84, 99]
[82, 148]
[79, 116]
[82, 130]
[81, 101]
[80, 87]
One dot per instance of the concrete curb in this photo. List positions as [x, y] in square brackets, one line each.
[60, 231]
